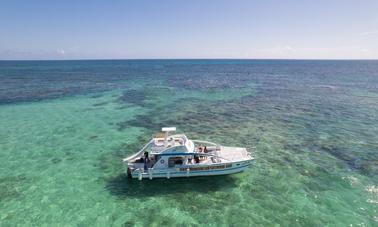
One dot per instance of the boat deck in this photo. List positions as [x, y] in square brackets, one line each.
[233, 153]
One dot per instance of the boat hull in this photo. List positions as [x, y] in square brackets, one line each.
[191, 171]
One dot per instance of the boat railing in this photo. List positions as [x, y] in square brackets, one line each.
[138, 153]
[211, 155]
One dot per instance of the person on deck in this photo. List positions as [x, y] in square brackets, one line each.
[146, 160]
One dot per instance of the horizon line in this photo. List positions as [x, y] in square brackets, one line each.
[136, 59]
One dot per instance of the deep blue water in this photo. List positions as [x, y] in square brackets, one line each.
[36, 80]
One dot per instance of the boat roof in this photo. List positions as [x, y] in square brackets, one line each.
[170, 144]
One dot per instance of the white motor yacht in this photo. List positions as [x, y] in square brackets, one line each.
[167, 156]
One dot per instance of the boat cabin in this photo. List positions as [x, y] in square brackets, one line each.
[170, 151]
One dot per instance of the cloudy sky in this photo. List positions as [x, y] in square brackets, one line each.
[129, 29]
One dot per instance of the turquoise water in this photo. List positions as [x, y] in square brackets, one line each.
[66, 125]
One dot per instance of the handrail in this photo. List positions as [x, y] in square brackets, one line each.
[203, 141]
[194, 153]
[212, 155]
[139, 152]
[215, 156]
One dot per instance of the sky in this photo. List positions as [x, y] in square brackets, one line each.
[153, 29]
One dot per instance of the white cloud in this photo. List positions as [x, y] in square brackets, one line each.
[374, 32]
[279, 51]
[288, 48]
[61, 51]
[331, 52]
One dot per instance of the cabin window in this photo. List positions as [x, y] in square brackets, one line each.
[172, 161]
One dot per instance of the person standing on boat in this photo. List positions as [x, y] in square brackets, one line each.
[146, 160]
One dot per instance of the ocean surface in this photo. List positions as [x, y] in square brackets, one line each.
[66, 125]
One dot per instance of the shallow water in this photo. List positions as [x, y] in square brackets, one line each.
[66, 125]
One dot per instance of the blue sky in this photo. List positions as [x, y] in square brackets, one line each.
[300, 29]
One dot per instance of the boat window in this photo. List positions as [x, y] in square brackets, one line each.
[172, 161]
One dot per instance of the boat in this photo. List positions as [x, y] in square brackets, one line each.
[170, 156]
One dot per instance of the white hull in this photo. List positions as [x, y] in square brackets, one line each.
[192, 171]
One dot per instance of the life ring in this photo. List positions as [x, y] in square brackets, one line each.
[162, 161]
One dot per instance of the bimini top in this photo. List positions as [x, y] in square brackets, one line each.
[165, 143]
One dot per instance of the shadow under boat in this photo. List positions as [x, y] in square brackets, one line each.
[123, 186]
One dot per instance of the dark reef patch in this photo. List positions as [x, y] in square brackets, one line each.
[26, 81]
[144, 121]
[56, 160]
[354, 162]
[133, 96]
[12, 186]
[95, 96]
[100, 104]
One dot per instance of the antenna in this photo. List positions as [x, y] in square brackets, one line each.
[167, 130]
